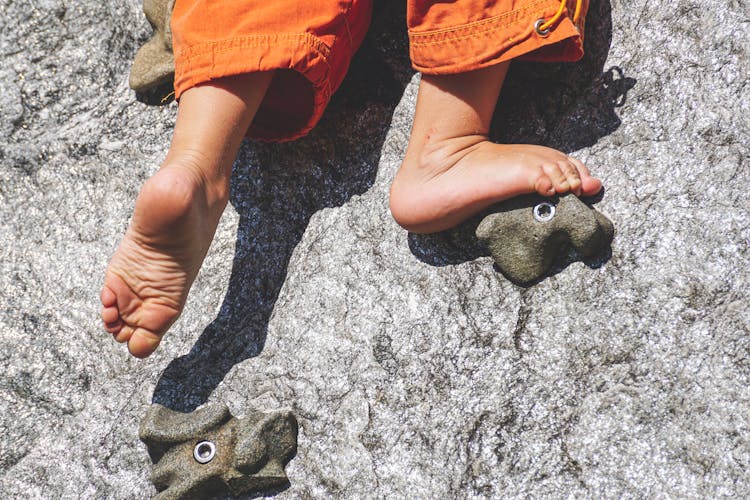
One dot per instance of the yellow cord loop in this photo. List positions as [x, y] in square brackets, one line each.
[542, 29]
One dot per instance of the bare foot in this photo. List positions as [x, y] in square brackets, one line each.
[149, 276]
[452, 179]
[451, 170]
[177, 211]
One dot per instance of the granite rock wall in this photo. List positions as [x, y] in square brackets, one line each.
[413, 367]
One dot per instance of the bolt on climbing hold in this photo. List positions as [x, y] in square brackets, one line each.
[204, 452]
[544, 211]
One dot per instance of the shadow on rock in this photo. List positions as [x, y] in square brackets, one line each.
[276, 188]
[566, 106]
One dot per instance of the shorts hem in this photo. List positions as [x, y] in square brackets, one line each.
[301, 52]
[507, 36]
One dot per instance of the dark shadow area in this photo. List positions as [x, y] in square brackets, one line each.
[159, 96]
[566, 106]
[276, 188]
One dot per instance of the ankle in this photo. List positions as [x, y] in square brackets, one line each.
[413, 202]
[211, 180]
[435, 155]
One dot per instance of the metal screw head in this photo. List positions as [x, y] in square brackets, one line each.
[204, 452]
[537, 27]
[544, 212]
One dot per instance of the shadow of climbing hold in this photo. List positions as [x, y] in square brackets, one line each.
[153, 67]
[209, 452]
[525, 234]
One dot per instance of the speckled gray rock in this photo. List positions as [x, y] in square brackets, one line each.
[208, 452]
[413, 367]
[526, 234]
[153, 66]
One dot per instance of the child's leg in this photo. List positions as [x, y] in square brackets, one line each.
[177, 211]
[451, 171]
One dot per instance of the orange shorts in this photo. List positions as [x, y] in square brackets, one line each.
[314, 41]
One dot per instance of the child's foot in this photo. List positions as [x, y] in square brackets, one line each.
[451, 179]
[150, 274]
[452, 171]
[177, 211]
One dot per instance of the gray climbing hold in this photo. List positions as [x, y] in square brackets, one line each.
[209, 452]
[525, 234]
[154, 63]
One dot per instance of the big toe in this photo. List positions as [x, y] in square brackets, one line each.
[143, 343]
[590, 186]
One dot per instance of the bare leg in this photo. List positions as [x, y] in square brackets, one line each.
[452, 171]
[148, 278]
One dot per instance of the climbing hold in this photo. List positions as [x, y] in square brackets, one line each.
[524, 234]
[210, 452]
[153, 66]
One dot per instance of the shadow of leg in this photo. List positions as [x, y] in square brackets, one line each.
[566, 106]
[276, 188]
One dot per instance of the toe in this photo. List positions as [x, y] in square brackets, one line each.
[589, 185]
[114, 327]
[108, 297]
[142, 343]
[544, 186]
[110, 315]
[571, 175]
[556, 175]
[123, 334]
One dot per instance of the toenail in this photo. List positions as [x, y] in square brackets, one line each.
[204, 452]
[544, 212]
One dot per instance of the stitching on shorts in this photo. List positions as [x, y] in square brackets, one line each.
[459, 38]
[482, 21]
[231, 44]
[493, 23]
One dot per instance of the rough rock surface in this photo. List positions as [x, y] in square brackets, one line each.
[413, 367]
